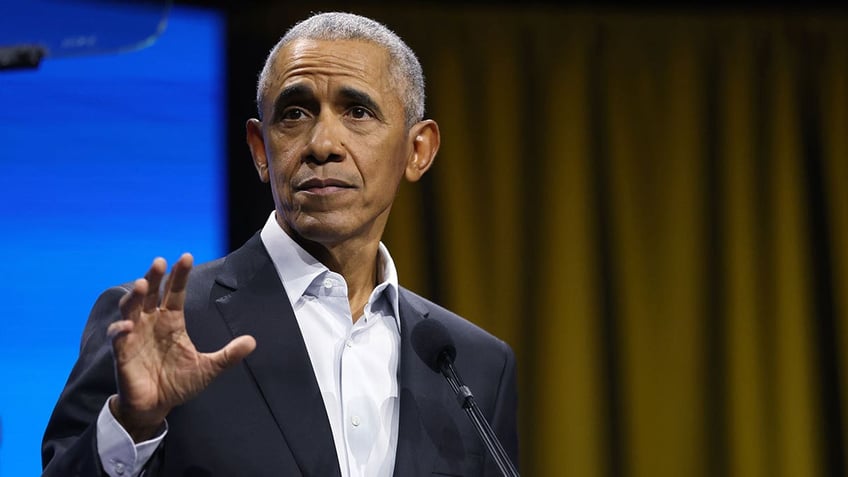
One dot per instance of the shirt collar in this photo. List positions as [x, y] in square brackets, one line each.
[298, 269]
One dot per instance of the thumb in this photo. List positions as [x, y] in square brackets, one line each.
[233, 352]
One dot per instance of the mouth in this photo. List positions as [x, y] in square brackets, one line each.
[322, 186]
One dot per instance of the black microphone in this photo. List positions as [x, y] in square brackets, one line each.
[434, 345]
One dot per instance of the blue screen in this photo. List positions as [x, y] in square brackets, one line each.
[107, 162]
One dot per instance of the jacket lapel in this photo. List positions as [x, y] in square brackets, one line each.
[252, 301]
[422, 409]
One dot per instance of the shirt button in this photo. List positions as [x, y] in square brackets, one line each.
[120, 468]
[349, 343]
[355, 421]
[328, 283]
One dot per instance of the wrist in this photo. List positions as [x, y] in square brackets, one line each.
[140, 425]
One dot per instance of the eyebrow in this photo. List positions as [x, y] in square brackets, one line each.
[296, 93]
[353, 95]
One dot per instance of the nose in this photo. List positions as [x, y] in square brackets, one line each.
[325, 144]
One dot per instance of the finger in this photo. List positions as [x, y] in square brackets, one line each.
[175, 287]
[154, 279]
[119, 328]
[117, 333]
[131, 303]
[231, 354]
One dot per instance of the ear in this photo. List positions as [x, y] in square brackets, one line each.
[425, 144]
[256, 143]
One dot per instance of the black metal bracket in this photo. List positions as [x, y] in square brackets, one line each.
[21, 56]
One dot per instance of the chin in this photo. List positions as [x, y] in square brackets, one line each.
[322, 231]
[322, 236]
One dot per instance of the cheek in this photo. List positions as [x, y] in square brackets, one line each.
[386, 171]
[281, 170]
[282, 159]
[399, 153]
[394, 151]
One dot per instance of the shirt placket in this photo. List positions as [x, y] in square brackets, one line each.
[360, 421]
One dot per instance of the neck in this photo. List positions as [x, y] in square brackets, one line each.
[357, 260]
[357, 263]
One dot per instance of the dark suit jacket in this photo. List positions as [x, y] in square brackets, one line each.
[265, 416]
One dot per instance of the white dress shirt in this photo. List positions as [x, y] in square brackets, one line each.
[355, 363]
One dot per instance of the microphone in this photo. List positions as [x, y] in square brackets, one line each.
[434, 345]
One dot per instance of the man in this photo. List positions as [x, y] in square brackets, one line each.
[292, 355]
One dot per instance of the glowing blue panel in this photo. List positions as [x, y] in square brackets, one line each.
[105, 163]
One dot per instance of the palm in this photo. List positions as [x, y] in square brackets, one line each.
[157, 365]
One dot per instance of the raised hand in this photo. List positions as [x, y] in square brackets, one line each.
[157, 365]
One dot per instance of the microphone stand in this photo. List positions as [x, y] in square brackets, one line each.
[467, 401]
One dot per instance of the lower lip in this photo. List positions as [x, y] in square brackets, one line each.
[329, 190]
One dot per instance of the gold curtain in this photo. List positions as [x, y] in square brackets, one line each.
[652, 209]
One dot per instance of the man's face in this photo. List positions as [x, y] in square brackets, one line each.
[333, 141]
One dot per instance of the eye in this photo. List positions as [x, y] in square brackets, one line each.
[360, 112]
[293, 114]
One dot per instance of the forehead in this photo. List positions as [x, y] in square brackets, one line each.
[358, 62]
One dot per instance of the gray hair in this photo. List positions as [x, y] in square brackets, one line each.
[404, 68]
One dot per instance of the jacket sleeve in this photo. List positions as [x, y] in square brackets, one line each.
[69, 447]
[504, 417]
